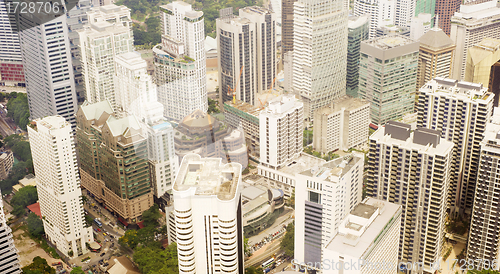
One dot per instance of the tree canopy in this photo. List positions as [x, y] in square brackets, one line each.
[38, 266]
[35, 225]
[287, 243]
[151, 216]
[24, 197]
[154, 260]
[18, 110]
[77, 270]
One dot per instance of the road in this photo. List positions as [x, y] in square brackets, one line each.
[257, 260]
[6, 128]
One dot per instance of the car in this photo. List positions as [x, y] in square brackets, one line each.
[99, 229]
[102, 254]
[104, 234]
[57, 263]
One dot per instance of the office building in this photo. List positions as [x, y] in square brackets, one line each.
[387, 76]
[47, 63]
[369, 233]
[435, 56]
[207, 197]
[281, 131]
[392, 30]
[474, 22]
[287, 33]
[11, 65]
[382, 12]
[179, 61]
[287, 70]
[113, 157]
[357, 32]
[412, 169]
[419, 25]
[483, 67]
[100, 43]
[341, 125]
[483, 233]
[9, 261]
[459, 110]
[444, 10]
[407, 10]
[320, 52]
[58, 185]
[245, 117]
[206, 136]
[324, 195]
[6, 163]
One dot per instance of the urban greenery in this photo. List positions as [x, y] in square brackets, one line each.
[154, 260]
[35, 225]
[308, 137]
[24, 197]
[77, 270]
[213, 106]
[18, 109]
[457, 225]
[254, 270]
[151, 216]
[287, 243]
[38, 266]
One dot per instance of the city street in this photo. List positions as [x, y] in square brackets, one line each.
[278, 224]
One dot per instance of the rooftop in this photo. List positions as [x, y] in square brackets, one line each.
[345, 102]
[436, 39]
[301, 164]
[477, 10]
[52, 122]
[357, 21]
[364, 227]
[132, 60]
[389, 42]
[208, 176]
[255, 9]
[334, 168]
[245, 107]
[462, 89]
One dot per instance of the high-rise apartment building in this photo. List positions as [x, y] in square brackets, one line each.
[320, 52]
[341, 125]
[9, 260]
[100, 43]
[387, 76]
[6, 163]
[483, 233]
[369, 233]
[180, 67]
[11, 65]
[469, 26]
[483, 67]
[324, 195]
[48, 68]
[419, 25]
[357, 32]
[113, 158]
[435, 56]
[207, 197]
[287, 33]
[58, 185]
[412, 169]
[444, 10]
[459, 110]
[281, 131]
[382, 12]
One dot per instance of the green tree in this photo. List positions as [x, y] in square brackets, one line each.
[35, 225]
[253, 270]
[77, 270]
[129, 239]
[287, 243]
[154, 260]
[18, 110]
[151, 216]
[38, 266]
[212, 106]
[88, 220]
[25, 196]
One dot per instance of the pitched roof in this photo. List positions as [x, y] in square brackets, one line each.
[435, 38]
[94, 111]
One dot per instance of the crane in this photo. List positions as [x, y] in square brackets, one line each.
[232, 91]
[269, 92]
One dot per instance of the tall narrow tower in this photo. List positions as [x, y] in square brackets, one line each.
[58, 185]
[320, 52]
[9, 261]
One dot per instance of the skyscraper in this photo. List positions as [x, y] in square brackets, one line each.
[387, 76]
[459, 110]
[113, 158]
[281, 131]
[207, 197]
[180, 69]
[483, 234]
[444, 10]
[100, 43]
[358, 31]
[382, 12]
[412, 169]
[435, 56]
[287, 33]
[419, 25]
[9, 261]
[320, 52]
[11, 65]
[58, 185]
[48, 68]
[324, 195]
[474, 22]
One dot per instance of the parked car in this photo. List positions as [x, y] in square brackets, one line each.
[102, 254]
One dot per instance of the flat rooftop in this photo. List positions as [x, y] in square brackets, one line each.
[245, 107]
[347, 102]
[209, 176]
[356, 245]
[474, 91]
[389, 42]
[338, 167]
[301, 164]
[357, 21]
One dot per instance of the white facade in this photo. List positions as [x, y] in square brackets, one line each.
[368, 235]
[382, 12]
[413, 169]
[181, 81]
[342, 125]
[10, 48]
[281, 131]
[207, 197]
[58, 185]
[320, 52]
[331, 191]
[100, 43]
[469, 26]
[48, 69]
[404, 12]
[459, 110]
[288, 70]
[420, 25]
[9, 258]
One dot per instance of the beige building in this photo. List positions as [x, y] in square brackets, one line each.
[483, 65]
[341, 125]
[435, 56]
[244, 116]
[113, 161]
[6, 163]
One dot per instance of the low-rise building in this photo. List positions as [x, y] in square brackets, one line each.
[28, 180]
[341, 125]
